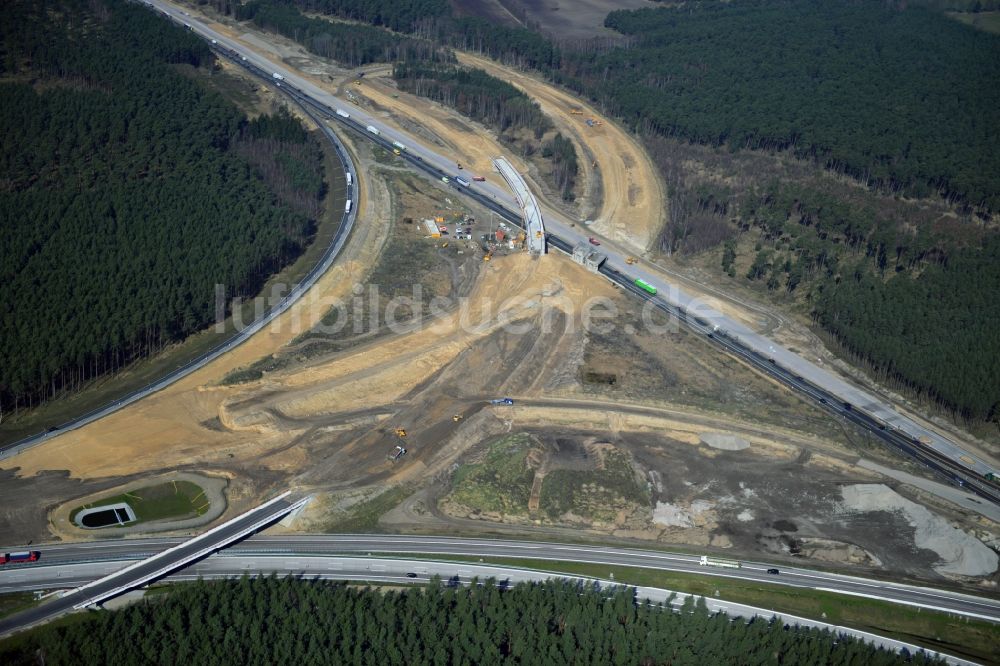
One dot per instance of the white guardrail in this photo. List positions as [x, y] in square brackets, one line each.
[103, 596]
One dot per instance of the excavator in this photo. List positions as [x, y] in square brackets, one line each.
[631, 260]
[400, 432]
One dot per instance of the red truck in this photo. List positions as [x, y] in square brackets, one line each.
[23, 556]
[479, 179]
[594, 241]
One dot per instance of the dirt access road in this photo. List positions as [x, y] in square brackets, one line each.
[632, 207]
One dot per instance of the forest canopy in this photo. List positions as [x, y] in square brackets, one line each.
[903, 99]
[295, 621]
[128, 193]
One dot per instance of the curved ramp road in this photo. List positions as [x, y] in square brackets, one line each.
[953, 462]
[329, 256]
[832, 391]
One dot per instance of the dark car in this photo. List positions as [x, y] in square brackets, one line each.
[411, 575]
[773, 571]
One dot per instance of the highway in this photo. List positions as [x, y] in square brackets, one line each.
[399, 570]
[60, 564]
[828, 389]
[833, 392]
[107, 582]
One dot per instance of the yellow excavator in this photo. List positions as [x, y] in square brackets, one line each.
[631, 260]
[400, 432]
[456, 418]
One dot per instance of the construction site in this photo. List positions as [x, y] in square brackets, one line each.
[617, 433]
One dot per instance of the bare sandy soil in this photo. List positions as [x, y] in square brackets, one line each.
[632, 206]
[325, 425]
[560, 19]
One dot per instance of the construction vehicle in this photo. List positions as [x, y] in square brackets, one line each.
[631, 260]
[395, 151]
[400, 432]
[445, 244]
[396, 453]
[488, 256]
[456, 418]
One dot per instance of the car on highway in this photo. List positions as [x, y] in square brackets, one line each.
[411, 575]
[773, 572]
[594, 241]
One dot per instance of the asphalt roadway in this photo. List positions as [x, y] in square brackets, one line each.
[66, 565]
[108, 581]
[570, 234]
[955, 464]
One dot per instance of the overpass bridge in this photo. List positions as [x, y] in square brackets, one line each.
[158, 565]
[530, 211]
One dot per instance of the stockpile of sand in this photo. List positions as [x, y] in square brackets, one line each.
[961, 554]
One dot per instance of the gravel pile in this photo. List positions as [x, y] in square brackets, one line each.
[961, 554]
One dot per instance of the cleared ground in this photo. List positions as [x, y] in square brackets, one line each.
[721, 458]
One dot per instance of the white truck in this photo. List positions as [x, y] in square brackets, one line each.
[343, 114]
[707, 561]
[461, 181]
[277, 77]
[373, 130]
[350, 178]
[347, 206]
[397, 144]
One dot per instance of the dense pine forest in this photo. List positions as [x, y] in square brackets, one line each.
[129, 190]
[349, 44]
[898, 99]
[294, 621]
[473, 93]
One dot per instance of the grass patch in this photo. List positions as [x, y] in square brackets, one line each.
[501, 482]
[974, 639]
[174, 499]
[15, 602]
[598, 494]
[363, 517]
[985, 21]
